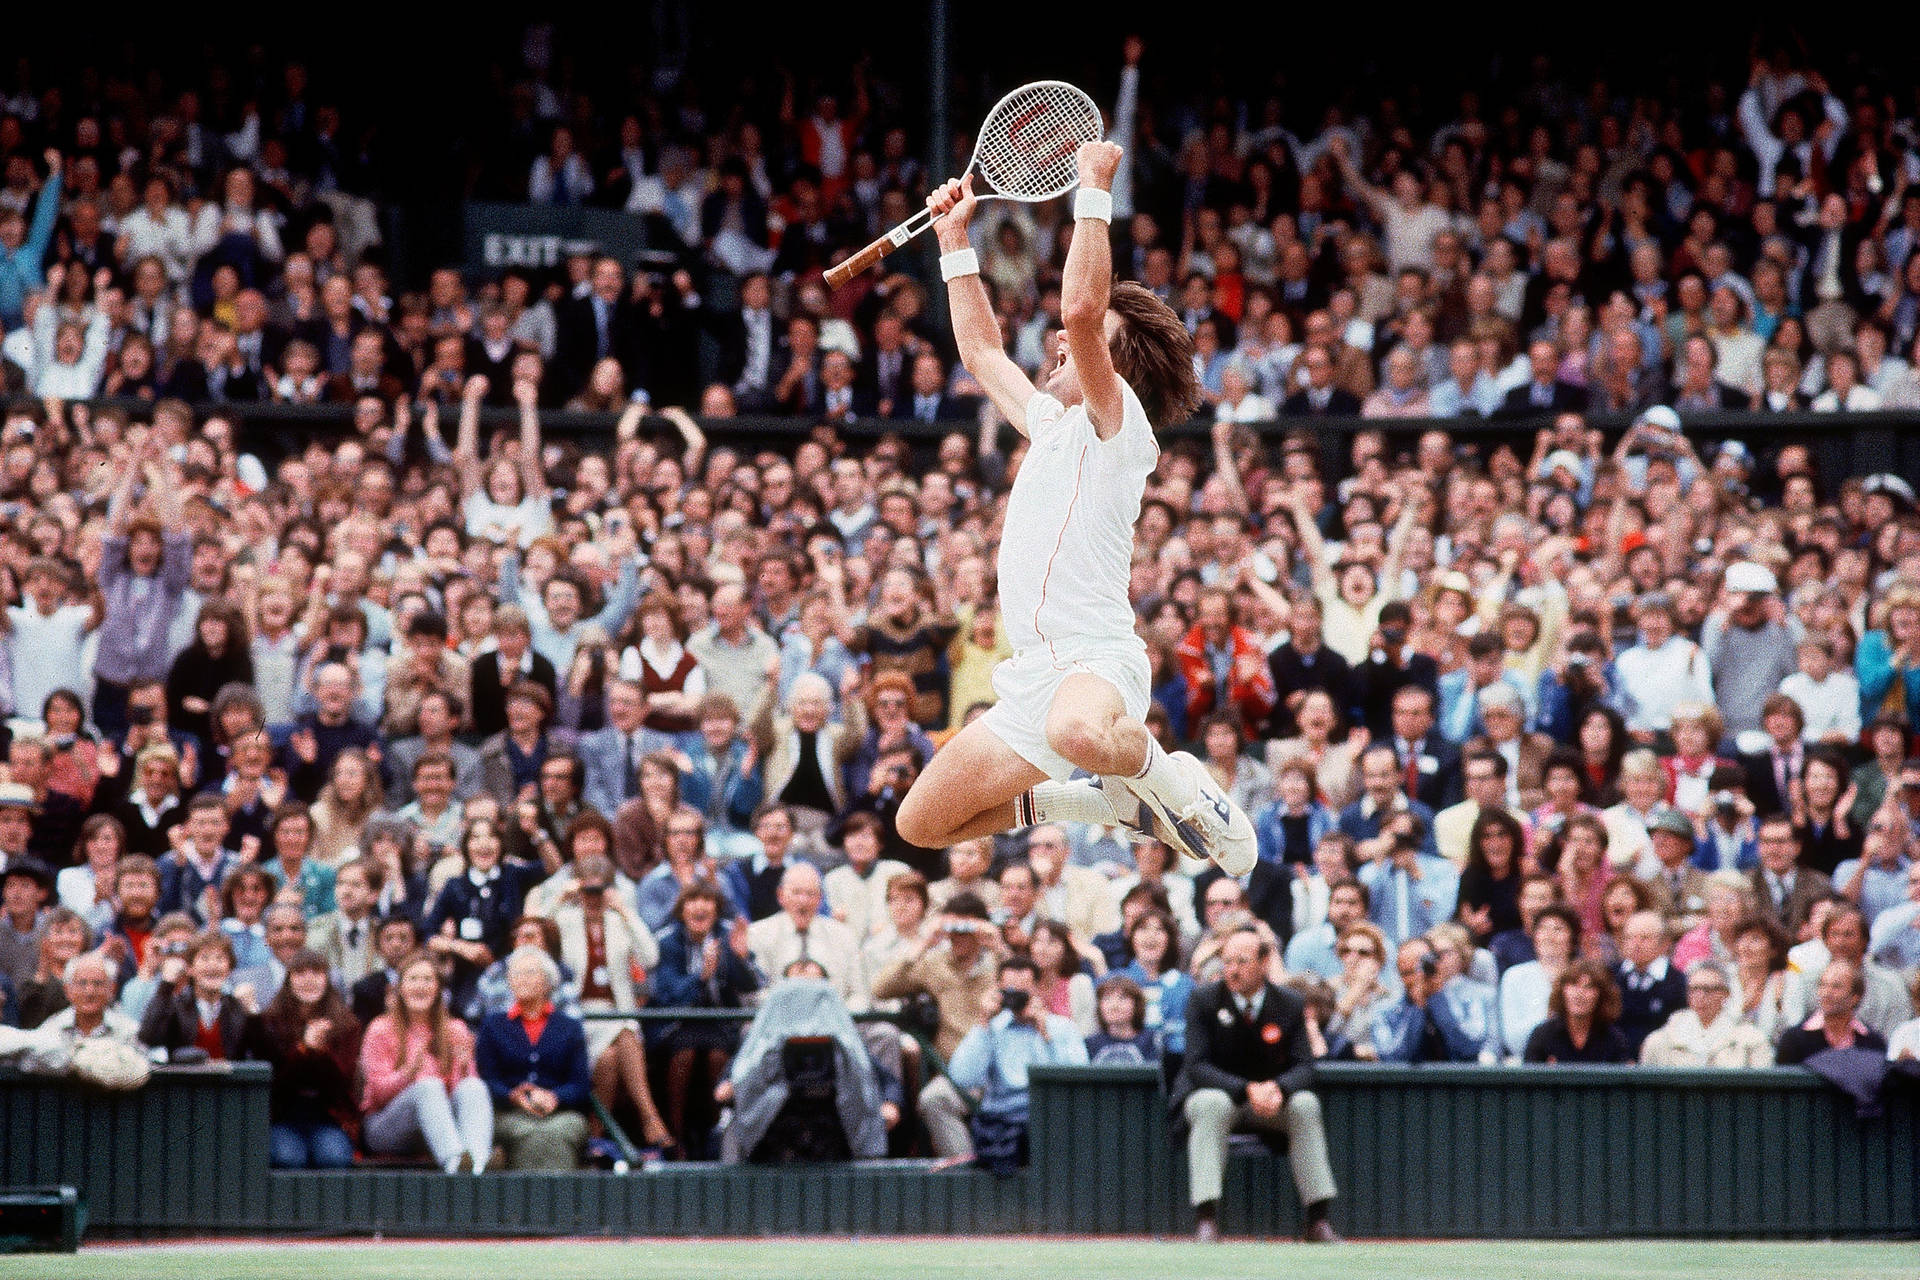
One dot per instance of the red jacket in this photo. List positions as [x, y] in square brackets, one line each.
[1249, 681]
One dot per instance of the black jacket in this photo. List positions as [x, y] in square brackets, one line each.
[488, 702]
[172, 1021]
[1340, 404]
[1566, 396]
[1550, 1043]
[1292, 674]
[1225, 1051]
[1644, 1012]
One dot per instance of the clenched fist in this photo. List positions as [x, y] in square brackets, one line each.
[1098, 162]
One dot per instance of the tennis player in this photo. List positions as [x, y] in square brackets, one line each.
[1074, 694]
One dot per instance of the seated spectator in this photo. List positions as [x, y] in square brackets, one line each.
[907, 908]
[1154, 945]
[1583, 1019]
[290, 836]
[685, 865]
[1904, 1043]
[969, 866]
[245, 894]
[1490, 882]
[352, 796]
[1708, 1032]
[1526, 989]
[89, 887]
[1060, 985]
[195, 865]
[589, 835]
[1441, 1016]
[699, 969]
[1729, 901]
[805, 753]
[1358, 993]
[421, 1088]
[856, 891]
[534, 1061]
[1767, 994]
[1651, 987]
[494, 994]
[63, 935]
[1313, 949]
[798, 931]
[1248, 1066]
[313, 1042]
[344, 935]
[723, 781]
[753, 880]
[1154, 880]
[197, 1013]
[1835, 1023]
[1225, 909]
[603, 940]
[164, 963]
[1124, 1037]
[89, 981]
[470, 921]
[394, 939]
[1894, 940]
[1883, 1004]
[128, 934]
[1412, 890]
[991, 1066]
[1877, 880]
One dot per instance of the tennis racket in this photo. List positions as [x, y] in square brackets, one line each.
[1026, 151]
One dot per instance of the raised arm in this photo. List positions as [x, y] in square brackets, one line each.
[466, 445]
[692, 438]
[1312, 545]
[975, 329]
[533, 476]
[1084, 290]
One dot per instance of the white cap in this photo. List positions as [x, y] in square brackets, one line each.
[1661, 416]
[1746, 576]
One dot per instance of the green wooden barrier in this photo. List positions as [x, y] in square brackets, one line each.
[187, 1151]
[1418, 1152]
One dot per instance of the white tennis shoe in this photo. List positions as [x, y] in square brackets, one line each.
[1201, 821]
[1226, 834]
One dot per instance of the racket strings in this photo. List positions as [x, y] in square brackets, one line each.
[1029, 143]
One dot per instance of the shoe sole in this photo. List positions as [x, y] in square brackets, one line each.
[1157, 822]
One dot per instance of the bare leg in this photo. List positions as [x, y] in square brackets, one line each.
[967, 791]
[1089, 725]
[630, 1059]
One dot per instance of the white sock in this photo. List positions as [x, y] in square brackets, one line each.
[1165, 779]
[1076, 800]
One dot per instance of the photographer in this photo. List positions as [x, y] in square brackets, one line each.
[991, 1064]
[1439, 1017]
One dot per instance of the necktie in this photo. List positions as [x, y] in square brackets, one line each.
[626, 765]
[1413, 771]
[803, 946]
[600, 325]
[353, 937]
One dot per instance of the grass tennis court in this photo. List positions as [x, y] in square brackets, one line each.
[996, 1259]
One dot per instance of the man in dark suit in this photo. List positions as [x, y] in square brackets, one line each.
[1320, 398]
[611, 755]
[926, 399]
[1771, 773]
[1782, 888]
[1248, 1068]
[493, 672]
[394, 939]
[1302, 663]
[592, 328]
[1381, 798]
[750, 346]
[1544, 392]
[1651, 988]
[1429, 764]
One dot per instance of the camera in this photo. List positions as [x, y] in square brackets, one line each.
[1723, 804]
[139, 717]
[1429, 966]
[1014, 1001]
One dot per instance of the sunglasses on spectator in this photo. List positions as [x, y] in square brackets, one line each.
[1707, 987]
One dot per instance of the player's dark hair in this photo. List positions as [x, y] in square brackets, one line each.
[1153, 354]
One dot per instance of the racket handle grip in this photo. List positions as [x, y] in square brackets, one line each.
[846, 270]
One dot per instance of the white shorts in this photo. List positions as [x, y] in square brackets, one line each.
[1026, 683]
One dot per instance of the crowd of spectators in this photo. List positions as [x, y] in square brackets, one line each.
[387, 760]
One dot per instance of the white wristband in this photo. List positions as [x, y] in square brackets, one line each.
[960, 262]
[1091, 202]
